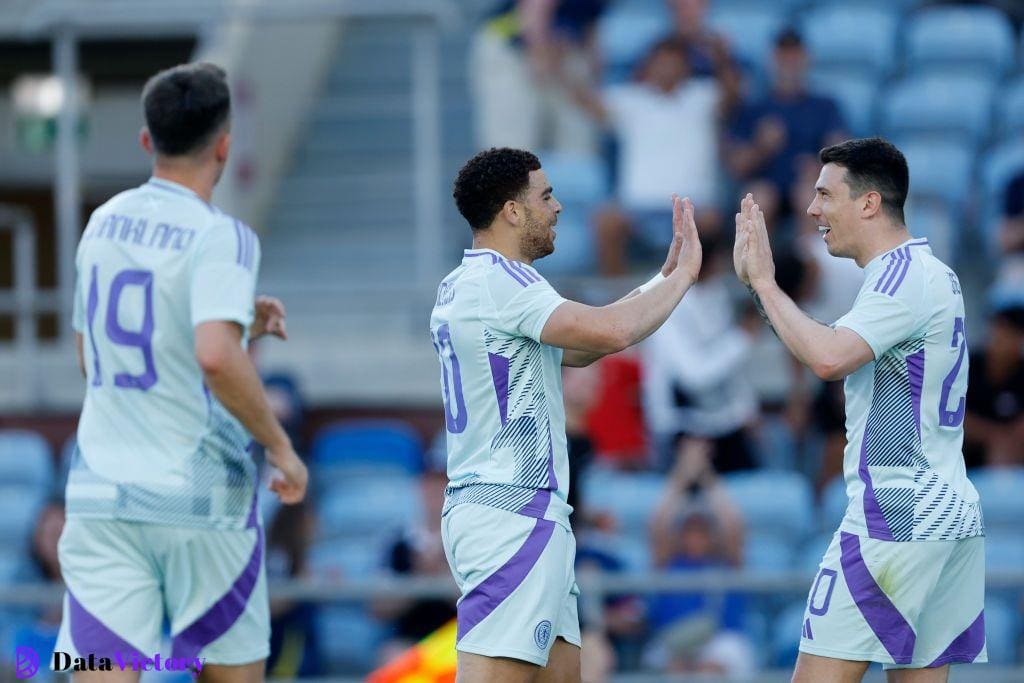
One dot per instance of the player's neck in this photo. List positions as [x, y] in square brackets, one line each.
[506, 245]
[888, 239]
[197, 179]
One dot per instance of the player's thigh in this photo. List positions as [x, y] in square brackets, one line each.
[245, 673]
[939, 674]
[216, 591]
[112, 605]
[563, 664]
[814, 669]
[473, 668]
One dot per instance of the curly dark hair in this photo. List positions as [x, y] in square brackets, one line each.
[490, 179]
[873, 164]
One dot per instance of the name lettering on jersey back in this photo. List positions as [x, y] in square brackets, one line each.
[139, 232]
[445, 294]
[954, 281]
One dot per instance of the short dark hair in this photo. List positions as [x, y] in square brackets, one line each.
[873, 164]
[789, 37]
[185, 106]
[490, 179]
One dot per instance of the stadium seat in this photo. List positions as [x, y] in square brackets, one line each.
[25, 460]
[1002, 631]
[362, 504]
[836, 35]
[580, 183]
[629, 496]
[1010, 108]
[855, 90]
[19, 509]
[785, 634]
[348, 638]
[370, 445]
[833, 504]
[633, 550]
[809, 558]
[940, 169]
[339, 559]
[972, 36]
[626, 33]
[577, 178]
[933, 218]
[941, 104]
[765, 552]
[773, 502]
[1004, 550]
[750, 30]
[1000, 490]
[998, 166]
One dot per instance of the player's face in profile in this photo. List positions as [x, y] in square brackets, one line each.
[834, 210]
[537, 236]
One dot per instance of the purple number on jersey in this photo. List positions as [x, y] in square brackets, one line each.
[455, 422]
[954, 418]
[143, 339]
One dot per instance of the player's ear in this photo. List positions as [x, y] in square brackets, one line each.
[871, 204]
[511, 211]
[222, 147]
[146, 140]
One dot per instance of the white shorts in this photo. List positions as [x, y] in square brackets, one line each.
[122, 579]
[517, 581]
[905, 604]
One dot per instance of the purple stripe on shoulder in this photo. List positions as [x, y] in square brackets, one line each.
[891, 628]
[480, 602]
[966, 647]
[510, 271]
[499, 374]
[918, 243]
[903, 271]
[897, 264]
[915, 373]
[873, 518]
[888, 268]
[494, 259]
[90, 635]
[521, 269]
[224, 613]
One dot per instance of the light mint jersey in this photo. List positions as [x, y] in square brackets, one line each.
[904, 464]
[154, 445]
[502, 388]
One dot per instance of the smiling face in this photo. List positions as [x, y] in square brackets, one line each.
[541, 209]
[837, 212]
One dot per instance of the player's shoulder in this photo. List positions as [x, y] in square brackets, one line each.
[225, 234]
[902, 273]
[505, 278]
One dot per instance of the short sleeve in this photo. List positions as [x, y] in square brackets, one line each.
[522, 299]
[883, 321]
[224, 275]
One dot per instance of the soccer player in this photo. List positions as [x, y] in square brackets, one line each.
[161, 499]
[502, 334]
[903, 581]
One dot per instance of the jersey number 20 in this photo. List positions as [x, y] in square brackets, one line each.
[141, 339]
[955, 417]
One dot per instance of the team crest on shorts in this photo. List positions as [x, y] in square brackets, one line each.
[542, 634]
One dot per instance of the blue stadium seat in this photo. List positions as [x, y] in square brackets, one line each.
[348, 638]
[25, 460]
[1004, 550]
[750, 30]
[998, 166]
[580, 183]
[629, 496]
[973, 36]
[809, 558]
[933, 218]
[765, 552]
[633, 550]
[833, 504]
[942, 169]
[942, 104]
[1000, 490]
[1002, 630]
[625, 34]
[337, 559]
[785, 634]
[838, 35]
[361, 504]
[773, 502]
[855, 90]
[19, 509]
[371, 445]
[1010, 108]
[577, 178]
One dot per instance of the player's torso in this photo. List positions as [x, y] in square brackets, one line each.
[502, 398]
[905, 414]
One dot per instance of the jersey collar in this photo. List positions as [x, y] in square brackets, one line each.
[485, 256]
[912, 243]
[177, 188]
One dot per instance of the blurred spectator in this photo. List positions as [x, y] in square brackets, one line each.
[517, 59]
[615, 420]
[994, 428]
[666, 125]
[697, 527]
[707, 52]
[288, 407]
[1011, 232]
[419, 552]
[579, 388]
[294, 647]
[693, 381]
[769, 138]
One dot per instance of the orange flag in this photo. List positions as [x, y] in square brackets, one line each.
[432, 660]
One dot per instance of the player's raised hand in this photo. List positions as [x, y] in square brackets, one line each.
[690, 251]
[269, 318]
[739, 250]
[759, 260]
[290, 477]
[677, 241]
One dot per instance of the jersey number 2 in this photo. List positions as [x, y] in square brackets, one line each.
[141, 339]
[453, 399]
[955, 417]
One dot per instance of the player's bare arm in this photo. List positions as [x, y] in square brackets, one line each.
[831, 354]
[234, 381]
[269, 318]
[609, 329]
